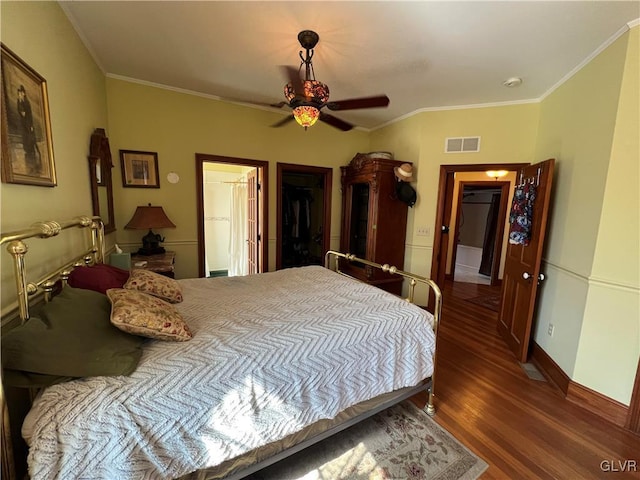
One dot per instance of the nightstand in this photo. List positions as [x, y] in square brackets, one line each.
[161, 263]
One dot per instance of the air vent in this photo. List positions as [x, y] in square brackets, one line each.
[462, 144]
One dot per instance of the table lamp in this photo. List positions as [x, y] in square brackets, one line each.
[148, 218]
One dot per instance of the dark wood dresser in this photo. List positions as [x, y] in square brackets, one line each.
[374, 221]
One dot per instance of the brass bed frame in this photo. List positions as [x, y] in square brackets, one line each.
[45, 286]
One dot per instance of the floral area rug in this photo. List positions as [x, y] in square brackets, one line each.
[400, 443]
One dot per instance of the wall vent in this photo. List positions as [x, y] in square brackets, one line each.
[462, 144]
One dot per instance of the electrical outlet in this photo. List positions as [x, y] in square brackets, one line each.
[550, 330]
[423, 231]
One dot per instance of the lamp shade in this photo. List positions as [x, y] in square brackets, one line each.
[306, 115]
[149, 217]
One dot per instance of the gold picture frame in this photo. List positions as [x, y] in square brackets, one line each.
[139, 169]
[27, 145]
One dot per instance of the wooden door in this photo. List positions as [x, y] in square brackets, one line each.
[253, 236]
[522, 274]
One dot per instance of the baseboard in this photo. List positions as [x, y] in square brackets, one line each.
[603, 406]
[549, 368]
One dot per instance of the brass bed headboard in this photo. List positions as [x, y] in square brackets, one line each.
[18, 248]
[27, 290]
[414, 280]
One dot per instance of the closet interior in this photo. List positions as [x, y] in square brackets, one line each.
[304, 205]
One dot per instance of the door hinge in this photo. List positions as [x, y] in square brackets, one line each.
[258, 186]
[259, 237]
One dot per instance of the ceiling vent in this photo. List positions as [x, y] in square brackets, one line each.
[462, 144]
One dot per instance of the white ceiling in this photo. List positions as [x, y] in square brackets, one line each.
[422, 54]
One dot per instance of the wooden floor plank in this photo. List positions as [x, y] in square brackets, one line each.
[523, 428]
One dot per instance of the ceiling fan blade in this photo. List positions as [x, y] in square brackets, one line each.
[259, 104]
[283, 122]
[335, 122]
[278, 105]
[354, 103]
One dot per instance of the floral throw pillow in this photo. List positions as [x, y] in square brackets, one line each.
[141, 314]
[154, 284]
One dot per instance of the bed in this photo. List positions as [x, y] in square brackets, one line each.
[276, 362]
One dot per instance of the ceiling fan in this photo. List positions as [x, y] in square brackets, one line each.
[307, 96]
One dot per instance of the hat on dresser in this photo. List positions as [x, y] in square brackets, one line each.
[404, 172]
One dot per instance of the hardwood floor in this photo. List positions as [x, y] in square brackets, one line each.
[523, 428]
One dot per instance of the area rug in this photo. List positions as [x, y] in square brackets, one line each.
[492, 302]
[400, 443]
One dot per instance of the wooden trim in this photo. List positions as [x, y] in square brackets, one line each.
[603, 406]
[595, 402]
[327, 182]
[445, 199]
[633, 417]
[549, 368]
[436, 272]
[263, 204]
[8, 466]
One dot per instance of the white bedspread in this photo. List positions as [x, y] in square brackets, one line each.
[271, 354]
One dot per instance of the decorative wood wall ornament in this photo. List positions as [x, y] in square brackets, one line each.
[100, 165]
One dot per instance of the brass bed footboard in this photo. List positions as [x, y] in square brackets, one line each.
[332, 262]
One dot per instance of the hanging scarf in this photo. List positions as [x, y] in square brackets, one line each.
[521, 214]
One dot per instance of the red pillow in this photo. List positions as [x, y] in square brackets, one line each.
[99, 277]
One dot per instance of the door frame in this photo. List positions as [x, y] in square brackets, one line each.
[327, 174]
[502, 213]
[445, 201]
[263, 205]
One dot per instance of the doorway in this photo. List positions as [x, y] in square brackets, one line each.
[304, 215]
[232, 215]
[448, 197]
[476, 253]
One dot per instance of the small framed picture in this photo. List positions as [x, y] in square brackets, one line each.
[139, 169]
[27, 146]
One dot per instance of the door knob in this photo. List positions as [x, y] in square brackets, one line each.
[541, 277]
[526, 275]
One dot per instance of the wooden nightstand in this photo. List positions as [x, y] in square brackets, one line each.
[161, 263]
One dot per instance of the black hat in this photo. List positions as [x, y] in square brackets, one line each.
[406, 193]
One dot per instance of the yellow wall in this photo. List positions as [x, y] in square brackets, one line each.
[507, 136]
[590, 273]
[589, 263]
[40, 34]
[611, 325]
[178, 125]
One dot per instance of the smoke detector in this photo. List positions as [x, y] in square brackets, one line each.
[512, 82]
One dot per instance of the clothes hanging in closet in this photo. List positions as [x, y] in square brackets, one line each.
[296, 216]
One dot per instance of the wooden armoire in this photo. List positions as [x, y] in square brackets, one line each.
[374, 221]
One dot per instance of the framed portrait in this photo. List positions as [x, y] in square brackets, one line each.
[139, 169]
[27, 146]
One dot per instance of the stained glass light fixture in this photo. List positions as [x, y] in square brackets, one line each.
[306, 115]
[306, 96]
[312, 93]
